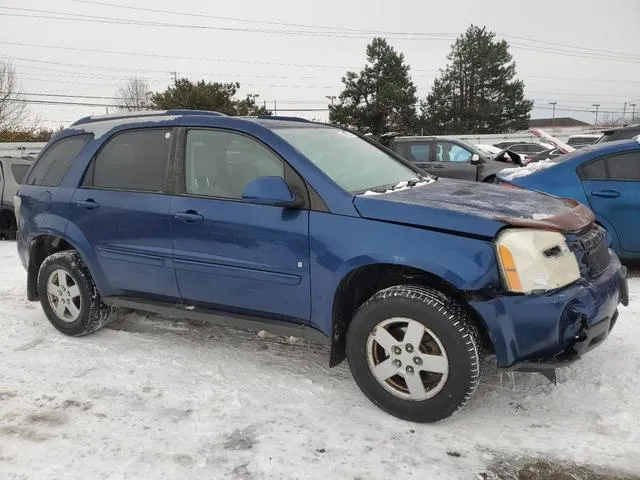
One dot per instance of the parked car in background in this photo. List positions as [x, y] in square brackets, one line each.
[527, 149]
[452, 158]
[583, 139]
[12, 173]
[308, 229]
[621, 133]
[550, 153]
[606, 177]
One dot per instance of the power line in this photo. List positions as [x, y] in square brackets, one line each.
[538, 46]
[352, 30]
[110, 105]
[15, 59]
[262, 22]
[55, 15]
[93, 97]
[165, 57]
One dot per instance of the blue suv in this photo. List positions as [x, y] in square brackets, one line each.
[312, 230]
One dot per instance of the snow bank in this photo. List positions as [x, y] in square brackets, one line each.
[513, 173]
[157, 398]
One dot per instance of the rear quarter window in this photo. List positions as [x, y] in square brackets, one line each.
[55, 162]
[19, 172]
[596, 170]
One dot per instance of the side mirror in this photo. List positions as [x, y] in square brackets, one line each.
[475, 159]
[270, 191]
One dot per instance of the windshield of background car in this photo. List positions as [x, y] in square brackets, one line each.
[351, 162]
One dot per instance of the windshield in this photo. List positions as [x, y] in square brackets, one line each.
[348, 160]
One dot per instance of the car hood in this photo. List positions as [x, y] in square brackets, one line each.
[474, 208]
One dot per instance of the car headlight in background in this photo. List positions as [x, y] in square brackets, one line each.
[533, 260]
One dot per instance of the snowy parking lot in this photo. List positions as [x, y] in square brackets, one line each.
[157, 398]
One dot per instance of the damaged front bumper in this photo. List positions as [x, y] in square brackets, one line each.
[539, 333]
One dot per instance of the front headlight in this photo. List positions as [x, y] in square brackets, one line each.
[533, 260]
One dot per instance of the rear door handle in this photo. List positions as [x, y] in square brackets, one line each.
[606, 193]
[190, 216]
[88, 204]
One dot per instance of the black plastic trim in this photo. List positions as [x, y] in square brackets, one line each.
[228, 319]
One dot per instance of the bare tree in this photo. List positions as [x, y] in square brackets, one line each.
[134, 94]
[610, 120]
[13, 106]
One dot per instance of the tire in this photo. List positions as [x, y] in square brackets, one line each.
[65, 277]
[489, 179]
[8, 228]
[448, 345]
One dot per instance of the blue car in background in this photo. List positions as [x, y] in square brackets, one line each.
[606, 177]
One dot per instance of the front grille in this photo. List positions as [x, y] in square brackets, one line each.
[591, 250]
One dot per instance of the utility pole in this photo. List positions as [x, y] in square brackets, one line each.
[597, 105]
[331, 98]
[624, 114]
[633, 112]
[275, 108]
[175, 77]
[253, 96]
[553, 118]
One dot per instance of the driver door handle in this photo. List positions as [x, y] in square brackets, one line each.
[190, 216]
[88, 204]
[438, 165]
[606, 193]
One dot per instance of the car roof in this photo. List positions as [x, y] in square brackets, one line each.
[600, 149]
[635, 126]
[133, 118]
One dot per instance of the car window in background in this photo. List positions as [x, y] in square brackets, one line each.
[136, 160]
[415, 152]
[450, 152]
[351, 162]
[19, 172]
[54, 163]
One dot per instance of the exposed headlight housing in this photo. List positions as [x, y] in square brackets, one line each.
[534, 260]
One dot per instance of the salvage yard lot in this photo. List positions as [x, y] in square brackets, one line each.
[155, 398]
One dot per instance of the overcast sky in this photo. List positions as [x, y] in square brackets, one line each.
[576, 53]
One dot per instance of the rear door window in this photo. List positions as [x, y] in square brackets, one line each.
[135, 160]
[624, 167]
[55, 162]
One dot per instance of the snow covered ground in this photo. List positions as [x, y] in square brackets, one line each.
[155, 398]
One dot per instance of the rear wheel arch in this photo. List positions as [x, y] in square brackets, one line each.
[363, 282]
[41, 247]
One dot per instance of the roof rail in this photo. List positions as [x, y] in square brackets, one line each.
[142, 114]
[186, 111]
[282, 117]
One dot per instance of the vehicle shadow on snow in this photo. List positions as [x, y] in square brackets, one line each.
[281, 350]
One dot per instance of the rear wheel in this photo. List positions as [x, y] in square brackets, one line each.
[69, 297]
[412, 351]
[8, 227]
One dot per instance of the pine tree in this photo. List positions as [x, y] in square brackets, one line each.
[477, 92]
[381, 97]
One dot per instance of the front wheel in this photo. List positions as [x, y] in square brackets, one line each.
[412, 351]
